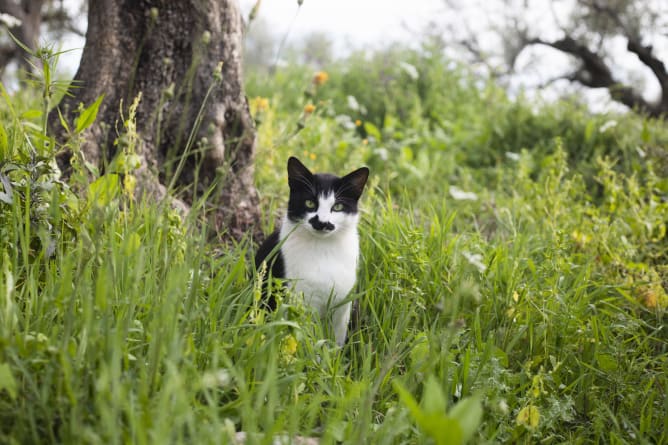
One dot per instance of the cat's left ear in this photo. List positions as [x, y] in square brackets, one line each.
[357, 180]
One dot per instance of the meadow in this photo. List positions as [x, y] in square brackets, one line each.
[512, 286]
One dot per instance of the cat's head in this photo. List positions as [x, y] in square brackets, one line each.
[324, 204]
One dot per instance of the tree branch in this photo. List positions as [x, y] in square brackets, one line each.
[598, 73]
[645, 55]
[63, 19]
[595, 73]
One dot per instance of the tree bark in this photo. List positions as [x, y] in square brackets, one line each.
[170, 52]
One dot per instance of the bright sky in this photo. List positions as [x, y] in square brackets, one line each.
[363, 22]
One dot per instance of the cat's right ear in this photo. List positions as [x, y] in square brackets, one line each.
[298, 171]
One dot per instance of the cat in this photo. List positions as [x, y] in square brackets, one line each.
[318, 239]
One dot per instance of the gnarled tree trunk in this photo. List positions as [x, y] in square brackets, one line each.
[169, 51]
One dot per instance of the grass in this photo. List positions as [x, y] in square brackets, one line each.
[534, 313]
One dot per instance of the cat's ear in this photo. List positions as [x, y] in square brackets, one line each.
[297, 172]
[356, 181]
[296, 168]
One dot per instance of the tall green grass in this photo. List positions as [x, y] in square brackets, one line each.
[540, 305]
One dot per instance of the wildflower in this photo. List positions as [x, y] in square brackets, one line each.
[309, 108]
[358, 123]
[529, 416]
[221, 378]
[320, 78]
[261, 103]
[218, 72]
[9, 20]
[129, 184]
[653, 296]
[312, 156]
[365, 141]
[475, 259]
[461, 195]
[206, 37]
[581, 239]
[288, 348]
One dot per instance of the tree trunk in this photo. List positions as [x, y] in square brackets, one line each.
[170, 52]
[29, 12]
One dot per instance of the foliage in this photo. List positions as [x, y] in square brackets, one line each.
[512, 285]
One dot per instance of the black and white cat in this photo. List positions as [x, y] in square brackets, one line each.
[319, 245]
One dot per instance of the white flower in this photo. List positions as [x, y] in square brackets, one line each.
[460, 195]
[607, 125]
[475, 259]
[345, 121]
[9, 20]
[513, 156]
[410, 70]
[220, 378]
[353, 104]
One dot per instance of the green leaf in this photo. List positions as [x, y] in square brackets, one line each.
[589, 130]
[433, 399]
[30, 115]
[372, 130]
[606, 362]
[104, 189]
[443, 429]
[7, 381]
[468, 413]
[529, 416]
[4, 143]
[63, 121]
[645, 134]
[7, 196]
[87, 116]
[407, 399]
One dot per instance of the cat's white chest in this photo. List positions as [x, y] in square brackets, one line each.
[324, 269]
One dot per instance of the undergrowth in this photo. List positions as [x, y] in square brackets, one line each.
[512, 285]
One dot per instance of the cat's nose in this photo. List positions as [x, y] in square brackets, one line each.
[321, 226]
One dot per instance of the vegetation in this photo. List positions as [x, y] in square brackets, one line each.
[512, 284]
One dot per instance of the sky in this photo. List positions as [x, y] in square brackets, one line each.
[360, 22]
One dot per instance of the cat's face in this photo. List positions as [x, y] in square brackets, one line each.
[323, 204]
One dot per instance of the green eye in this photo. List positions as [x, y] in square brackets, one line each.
[337, 207]
[309, 204]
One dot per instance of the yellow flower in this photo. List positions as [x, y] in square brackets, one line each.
[309, 108]
[365, 141]
[312, 156]
[528, 416]
[129, 184]
[261, 103]
[288, 348]
[581, 239]
[653, 296]
[358, 123]
[320, 78]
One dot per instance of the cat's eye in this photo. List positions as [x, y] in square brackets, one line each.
[309, 204]
[337, 207]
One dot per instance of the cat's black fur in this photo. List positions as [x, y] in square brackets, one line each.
[306, 186]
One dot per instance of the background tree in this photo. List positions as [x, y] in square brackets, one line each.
[30, 17]
[604, 41]
[184, 58]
